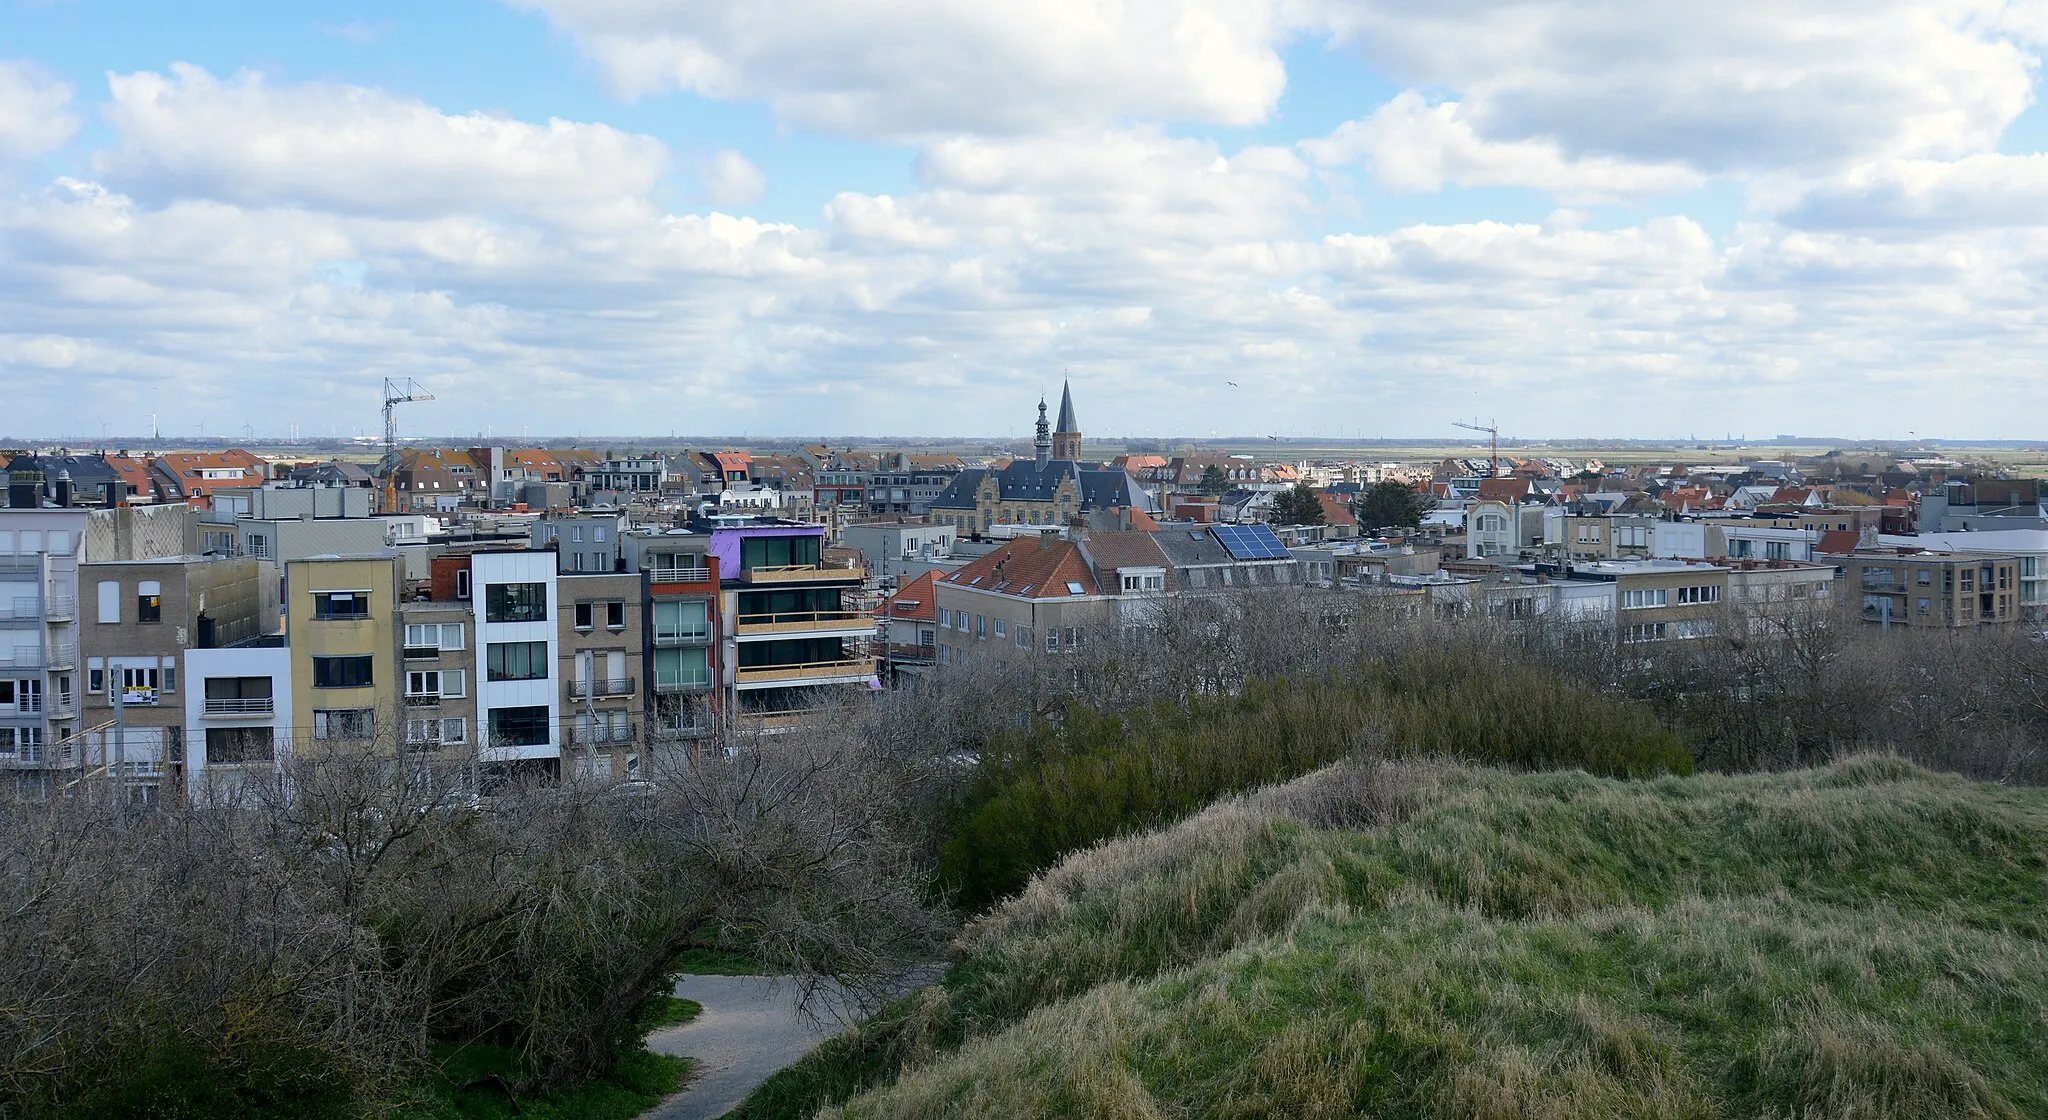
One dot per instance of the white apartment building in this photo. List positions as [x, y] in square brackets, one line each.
[39, 699]
[517, 694]
[238, 716]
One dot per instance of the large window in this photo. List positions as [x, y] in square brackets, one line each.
[342, 672]
[226, 746]
[435, 682]
[519, 727]
[681, 668]
[341, 604]
[778, 552]
[516, 602]
[344, 723]
[430, 639]
[149, 601]
[688, 621]
[517, 661]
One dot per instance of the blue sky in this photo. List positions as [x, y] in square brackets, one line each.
[909, 216]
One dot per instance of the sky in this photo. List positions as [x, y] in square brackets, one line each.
[1309, 218]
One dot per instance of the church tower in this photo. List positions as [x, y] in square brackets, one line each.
[1044, 441]
[1066, 437]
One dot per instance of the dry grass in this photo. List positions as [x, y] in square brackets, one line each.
[1863, 940]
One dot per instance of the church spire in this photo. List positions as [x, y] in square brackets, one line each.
[1044, 442]
[1066, 437]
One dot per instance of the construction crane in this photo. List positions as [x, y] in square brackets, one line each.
[397, 391]
[1492, 429]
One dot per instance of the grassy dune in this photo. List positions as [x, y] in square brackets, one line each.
[1864, 940]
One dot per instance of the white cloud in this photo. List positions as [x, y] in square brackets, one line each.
[35, 111]
[1415, 146]
[348, 148]
[1988, 191]
[731, 179]
[1731, 86]
[926, 67]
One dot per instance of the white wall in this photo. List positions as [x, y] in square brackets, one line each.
[274, 662]
[487, 568]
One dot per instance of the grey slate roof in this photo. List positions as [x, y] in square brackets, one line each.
[1025, 480]
[1067, 422]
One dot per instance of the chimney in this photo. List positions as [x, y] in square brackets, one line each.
[64, 488]
[25, 488]
[1045, 540]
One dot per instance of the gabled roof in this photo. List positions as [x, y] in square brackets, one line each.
[1025, 480]
[1508, 490]
[1336, 511]
[917, 601]
[1836, 542]
[1028, 568]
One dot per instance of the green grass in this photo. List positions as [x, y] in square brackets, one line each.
[641, 1081]
[678, 1012]
[714, 962]
[1863, 940]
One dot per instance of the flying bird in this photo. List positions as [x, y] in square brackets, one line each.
[1232, 384]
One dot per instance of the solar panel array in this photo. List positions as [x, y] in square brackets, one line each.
[1251, 542]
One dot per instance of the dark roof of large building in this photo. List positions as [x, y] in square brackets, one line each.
[1067, 422]
[1026, 480]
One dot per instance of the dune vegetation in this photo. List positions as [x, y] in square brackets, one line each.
[1420, 939]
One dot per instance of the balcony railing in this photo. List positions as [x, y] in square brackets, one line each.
[682, 684]
[62, 655]
[60, 608]
[682, 637]
[423, 699]
[800, 573]
[798, 622]
[615, 686]
[679, 575]
[812, 670]
[600, 736]
[241, 706]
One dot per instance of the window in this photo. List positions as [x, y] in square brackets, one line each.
[1052, 641]
[1647, 632]
[516, 602]
[110, 601]
[341, 605]
[575, 534]
[342, 672]
[149, 601]
[585, 615]
[344, 723]
[517, 661]
[432, 639]
[597, 534]
[1646, 597]
[228, 746]
[1690, 596]
[1923, 577]
[681, 668]
[259, 546]
[615, 615]
[462, 583]
[1923, 605]
[519, 727]
[428, 732]
[1001, 628]
[980, 627]
[1023, 638]
[682, 621]
[435, 682]
[95, 681]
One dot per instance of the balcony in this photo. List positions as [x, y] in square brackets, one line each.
[616, 686]
[601, 737]
[62, 655]
[423, 699]
[820, 623]
[240, 707]
[682, 684]
[851, 671]
[679, 575]
[682, 637]
[60, 608]
[802, 573]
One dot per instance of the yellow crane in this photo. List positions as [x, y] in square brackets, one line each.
[1492, 429]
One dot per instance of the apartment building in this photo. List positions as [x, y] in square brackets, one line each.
[1591, 534]
[1037, 593]
[793, 639]
[1949, 590]
[1492, 528]
[519, 696]
[684, 683]
[438, 651]
[1643, 600]
[602, 636]
[239, 721]
[583, 541]
[2028, 546]
[910, 627]
[343, 628]
[39, 714]
[143, 617]
[898, 548]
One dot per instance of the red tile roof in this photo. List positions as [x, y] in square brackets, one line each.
[917, 600]
[1030, 569]
[1836, 542]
